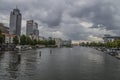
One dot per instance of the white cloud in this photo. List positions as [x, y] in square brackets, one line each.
[86, 24]
[95, 38]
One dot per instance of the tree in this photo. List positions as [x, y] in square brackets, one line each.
[2, 38]
[29, 41]
[23, 40]
[16, 40]
[51, 42]
[35, 42]
[117, 43]
[0, 32]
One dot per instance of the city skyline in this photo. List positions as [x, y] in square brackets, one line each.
[76, 20]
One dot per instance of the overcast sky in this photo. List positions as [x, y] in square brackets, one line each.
[67, 19]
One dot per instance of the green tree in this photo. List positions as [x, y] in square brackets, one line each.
[29, 41]
[23, 40]
[39, 42]
[0, 31]
[35, 42]
[16, 40]
[45, 42]
[51, 42]
[2, 38]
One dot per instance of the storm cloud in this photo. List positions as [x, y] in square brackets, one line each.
[68, 19]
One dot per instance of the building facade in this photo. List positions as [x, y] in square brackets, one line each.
[29, 27]
[15, 22]
[35, 30]
[58, 42]
[9, 38]
[67, 43]
[32, 29]
[109, 38]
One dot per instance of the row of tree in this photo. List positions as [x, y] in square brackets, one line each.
[113, 44]
[25, 40]
[92, 44]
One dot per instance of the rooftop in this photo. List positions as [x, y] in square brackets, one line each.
[3, 28]
[111, 37]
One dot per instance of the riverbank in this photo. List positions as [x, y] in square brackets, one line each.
[115, 52]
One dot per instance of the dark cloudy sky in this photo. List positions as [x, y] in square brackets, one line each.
[68, 19]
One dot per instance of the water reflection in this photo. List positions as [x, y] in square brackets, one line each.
[96, 58]
[78, 63]
[14, 64]
[9, 65]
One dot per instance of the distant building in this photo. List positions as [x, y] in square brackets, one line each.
[109, 38]
[36, 31]
[67, 43]
[32, 29]
[41, 38]
[15, 22]
[3, 28]
[58, 42]
[29, 27]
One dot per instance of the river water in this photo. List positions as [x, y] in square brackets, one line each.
[78, 63]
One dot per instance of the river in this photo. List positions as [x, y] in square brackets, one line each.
[78, 63]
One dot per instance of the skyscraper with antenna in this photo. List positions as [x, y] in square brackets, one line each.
[15, 22]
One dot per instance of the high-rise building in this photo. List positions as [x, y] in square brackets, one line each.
[36, 31]
[15, 22]
[29, 27]
[32, 28]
